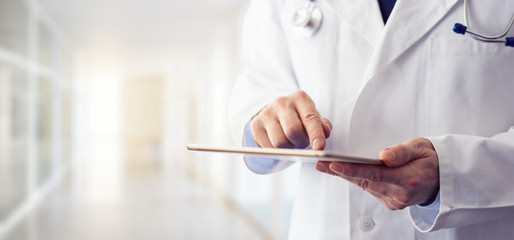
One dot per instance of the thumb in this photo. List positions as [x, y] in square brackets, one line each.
[401, 154]
[397, 155]
[388, 156]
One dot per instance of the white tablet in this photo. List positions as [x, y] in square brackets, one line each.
[297, 155]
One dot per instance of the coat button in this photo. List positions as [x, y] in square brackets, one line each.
[366, 224]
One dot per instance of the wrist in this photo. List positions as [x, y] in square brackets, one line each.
[431, 199]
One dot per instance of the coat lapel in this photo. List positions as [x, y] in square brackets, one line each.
[363, 15]
[409, 22]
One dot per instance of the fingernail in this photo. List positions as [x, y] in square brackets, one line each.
[336, 168]
[389, 155]
[321, 168]
[328, 125]
[316, 144]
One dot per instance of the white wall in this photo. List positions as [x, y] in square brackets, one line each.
[37, 92]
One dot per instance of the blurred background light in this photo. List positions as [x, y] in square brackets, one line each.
[98, 100]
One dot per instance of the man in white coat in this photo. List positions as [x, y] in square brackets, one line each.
[436, 107]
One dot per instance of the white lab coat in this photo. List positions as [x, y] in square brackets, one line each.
[381, 86]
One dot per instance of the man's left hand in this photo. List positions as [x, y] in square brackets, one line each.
[410, 175]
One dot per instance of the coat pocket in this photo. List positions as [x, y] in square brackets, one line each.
[471, 86]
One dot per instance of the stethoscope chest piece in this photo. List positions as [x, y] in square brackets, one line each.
[307, 21]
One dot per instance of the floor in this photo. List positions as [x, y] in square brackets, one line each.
[133, 201]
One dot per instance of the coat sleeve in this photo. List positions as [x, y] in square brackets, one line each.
[257, 164]
[476, 176]
[268, 71]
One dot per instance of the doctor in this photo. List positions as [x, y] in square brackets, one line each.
[436, 107]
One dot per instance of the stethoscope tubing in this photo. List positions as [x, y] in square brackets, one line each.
[462, 29]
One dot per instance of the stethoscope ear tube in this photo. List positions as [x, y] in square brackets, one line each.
[459, 28]
[509, 42]
[463, 29]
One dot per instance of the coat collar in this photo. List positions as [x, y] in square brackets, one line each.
[409, 22]
[363, 15]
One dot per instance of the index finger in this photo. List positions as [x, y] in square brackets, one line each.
[311, 121]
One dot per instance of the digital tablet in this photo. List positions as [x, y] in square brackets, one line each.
[297, 155]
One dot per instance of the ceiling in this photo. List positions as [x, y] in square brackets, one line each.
[133, 27]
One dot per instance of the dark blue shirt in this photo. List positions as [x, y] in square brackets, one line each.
[386, 6]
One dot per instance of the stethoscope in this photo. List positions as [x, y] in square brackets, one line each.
[307, 20]
[463, 29]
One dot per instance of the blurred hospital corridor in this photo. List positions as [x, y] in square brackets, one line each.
[98, 100]
[156, 203]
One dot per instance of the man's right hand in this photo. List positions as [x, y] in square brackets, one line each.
[291, 122]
